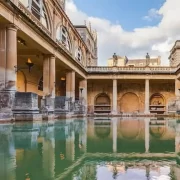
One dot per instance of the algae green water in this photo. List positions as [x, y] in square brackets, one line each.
[91, 149]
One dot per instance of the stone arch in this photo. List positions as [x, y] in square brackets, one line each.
[21, 81]
[102, 99]
[40, 12]
[49, 16]
[157, 99]
[129, 103]
[64, 37]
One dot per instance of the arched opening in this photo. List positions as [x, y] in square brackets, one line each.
[129, 103]
[38, 9]
[78, 54]
[157, 104]
[21, 82]
[102, 103]
[62, 36]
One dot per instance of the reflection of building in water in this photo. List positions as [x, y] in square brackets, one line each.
[48, 151]
[130, 135]
[161, 133]
[7, 153]
[56, 147]
[99, 136]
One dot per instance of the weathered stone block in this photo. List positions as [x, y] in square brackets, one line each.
[25, 107]
[6, 101]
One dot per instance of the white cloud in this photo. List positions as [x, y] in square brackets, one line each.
[152, 14]
[157, 40]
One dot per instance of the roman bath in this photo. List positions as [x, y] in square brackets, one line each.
[49, 69]
[63, 116]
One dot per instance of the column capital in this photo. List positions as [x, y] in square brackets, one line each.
[52, 56]
[12, 27]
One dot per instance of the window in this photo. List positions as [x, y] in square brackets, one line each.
[63, 37]
[79, 54]
[38, 10]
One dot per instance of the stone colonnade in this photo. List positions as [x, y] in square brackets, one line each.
[9, 68]
[8, 62]
[114, 101]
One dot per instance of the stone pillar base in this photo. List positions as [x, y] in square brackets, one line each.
[6, 117]
[6, 101]
[25, 107]
[28, 117]
[48, 117]
[114, 113]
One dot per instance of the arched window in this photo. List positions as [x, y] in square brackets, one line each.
[79, 54]
[63, 37]
[38, 9]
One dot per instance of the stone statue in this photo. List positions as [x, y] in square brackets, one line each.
[115, 59]
[147, 59]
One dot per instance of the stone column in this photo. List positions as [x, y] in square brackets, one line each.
[114, 121]
[52, 77]
[70, 85]
[8, 59]
[49, 73]
[114, 109]
[3, 57]
[11, 57]
[177, 87]
[46, 75]
[146, 122]
[146, 111]
[83, 92]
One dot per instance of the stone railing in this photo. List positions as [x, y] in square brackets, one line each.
[150, 70]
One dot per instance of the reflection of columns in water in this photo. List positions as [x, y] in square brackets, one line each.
[114, 122]
[7, 153]
[48, 151]
[91, 130]
[70, 146]
[177, 138]
[148, 172]
[83, 137]
[147, 121]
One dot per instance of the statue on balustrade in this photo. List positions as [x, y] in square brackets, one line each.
[115, 59]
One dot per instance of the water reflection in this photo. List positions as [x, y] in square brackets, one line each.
[90, 149]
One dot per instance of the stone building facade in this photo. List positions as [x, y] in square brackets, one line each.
[52, 64]
[124, 61]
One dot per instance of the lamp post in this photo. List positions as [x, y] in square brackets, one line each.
[29, 66]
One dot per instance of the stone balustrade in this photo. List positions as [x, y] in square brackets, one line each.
[150, 70]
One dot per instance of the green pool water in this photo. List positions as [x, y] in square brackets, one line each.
[91, 149]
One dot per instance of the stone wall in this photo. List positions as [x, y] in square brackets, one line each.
[130, 95]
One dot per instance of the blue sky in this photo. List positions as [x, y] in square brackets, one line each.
[115, 21]
[128, 13]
